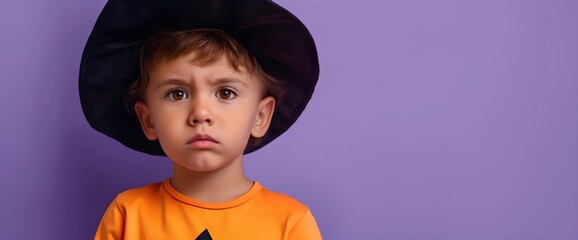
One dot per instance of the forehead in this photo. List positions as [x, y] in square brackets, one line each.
[192, 67]
[201, 56]
[191, 61]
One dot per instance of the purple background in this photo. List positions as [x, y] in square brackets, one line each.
[432, 120]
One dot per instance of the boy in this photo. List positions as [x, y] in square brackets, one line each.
[217, 80]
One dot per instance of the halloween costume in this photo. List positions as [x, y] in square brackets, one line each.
[284, 49]
[158, 211]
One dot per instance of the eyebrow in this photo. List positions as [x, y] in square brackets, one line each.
[218, 81]
[174, 81]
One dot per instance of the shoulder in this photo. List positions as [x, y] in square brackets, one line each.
[283, 203]
[299, 220]
[137, 196]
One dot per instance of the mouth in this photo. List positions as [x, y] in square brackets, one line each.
[202, 141]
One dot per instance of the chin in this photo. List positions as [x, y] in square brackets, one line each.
[201, 164]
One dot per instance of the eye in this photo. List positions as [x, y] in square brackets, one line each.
[176, 95]
[226, 94]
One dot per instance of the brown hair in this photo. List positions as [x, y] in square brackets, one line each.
[210, 45]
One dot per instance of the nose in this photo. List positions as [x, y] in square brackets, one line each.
[200, 119]
[200, 113]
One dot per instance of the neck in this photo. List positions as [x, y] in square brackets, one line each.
[216, 186]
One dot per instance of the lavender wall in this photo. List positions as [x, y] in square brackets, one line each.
[432, 120]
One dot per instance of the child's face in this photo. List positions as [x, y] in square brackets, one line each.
[203, 116]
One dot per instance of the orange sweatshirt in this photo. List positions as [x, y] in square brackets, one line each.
[158, 211]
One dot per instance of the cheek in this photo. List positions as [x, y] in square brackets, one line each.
[168, 119]
[241, 118]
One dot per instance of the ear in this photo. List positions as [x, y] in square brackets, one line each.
[146, 122]
[263, 119]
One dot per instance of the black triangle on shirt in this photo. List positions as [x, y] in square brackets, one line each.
[205, 235]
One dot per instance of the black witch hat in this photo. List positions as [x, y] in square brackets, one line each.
[281, 44]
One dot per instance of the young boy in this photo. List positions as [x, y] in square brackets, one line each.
[205, 83]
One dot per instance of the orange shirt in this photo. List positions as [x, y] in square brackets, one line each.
[158, 211]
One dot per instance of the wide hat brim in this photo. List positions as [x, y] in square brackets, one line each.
[279, 41]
